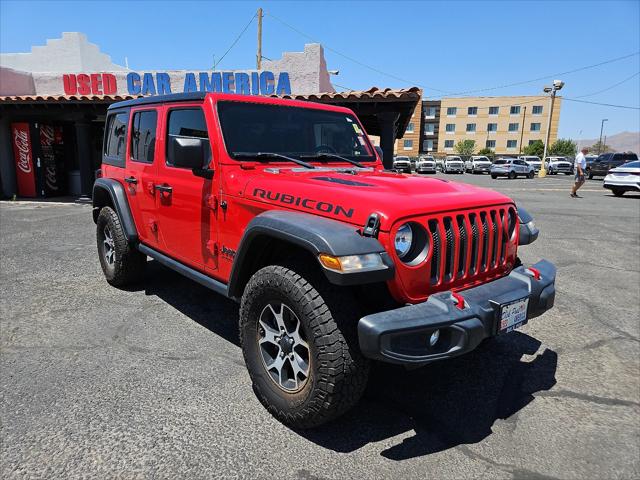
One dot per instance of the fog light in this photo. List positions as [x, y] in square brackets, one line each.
[433, 339]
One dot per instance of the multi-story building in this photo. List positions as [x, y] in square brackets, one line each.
[409, 144]
[503, 124]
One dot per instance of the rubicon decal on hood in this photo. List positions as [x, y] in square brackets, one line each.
[307, 203]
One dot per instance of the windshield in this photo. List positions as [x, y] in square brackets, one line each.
[635, 164]
[292, 131]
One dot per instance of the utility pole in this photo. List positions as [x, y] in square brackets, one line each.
[557, 85]
[600, 141]
[524, 121]
[259, 54]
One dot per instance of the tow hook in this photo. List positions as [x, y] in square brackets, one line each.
[458, 300]
[534, 272]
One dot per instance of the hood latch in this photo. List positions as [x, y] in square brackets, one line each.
[372, 227]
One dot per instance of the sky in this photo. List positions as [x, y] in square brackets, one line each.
[443, 47]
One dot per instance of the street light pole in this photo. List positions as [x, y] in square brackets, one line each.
[557, 85]
[600, 141]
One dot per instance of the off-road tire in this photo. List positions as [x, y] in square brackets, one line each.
[337, 370]
[512, 175]
[129, 264]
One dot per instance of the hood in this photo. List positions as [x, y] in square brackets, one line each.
[353, 197]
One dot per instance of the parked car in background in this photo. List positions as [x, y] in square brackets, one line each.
[512, 168]
[453, 165]
[440, 164]
[589, 158]
[402, 164]
[607, 161]
[555, 165]
[379, 151]
[426, 164]
[625, 178]
[532, 160]
[477, 164]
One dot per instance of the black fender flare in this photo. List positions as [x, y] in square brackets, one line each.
[110, 192]
[314, 234]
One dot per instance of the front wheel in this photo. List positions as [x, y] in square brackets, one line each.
[512, 175]
[618, 192]
[590, 176]
[531, 175]
[494, 176]
[300, 346]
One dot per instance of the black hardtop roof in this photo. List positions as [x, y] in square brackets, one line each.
[174, 97]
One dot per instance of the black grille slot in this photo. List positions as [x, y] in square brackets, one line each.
[448, 262]
[485, 241]
[474, 242]
[505, 235]
[494, 246]
[435, 256]
[462, 252]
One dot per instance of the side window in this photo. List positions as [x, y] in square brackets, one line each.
[143, 136]
[185, 122]
[115, 143]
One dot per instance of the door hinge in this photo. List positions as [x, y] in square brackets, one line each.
[212, 246]
[153, 226]
[212, 202]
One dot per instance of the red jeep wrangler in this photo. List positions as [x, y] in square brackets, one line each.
[285, 206]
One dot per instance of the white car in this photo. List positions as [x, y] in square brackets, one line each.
[453, 164]
[625, 178]
[532, 160]
[477, 164]
[402, 164]
[555, 165]
[426, 164]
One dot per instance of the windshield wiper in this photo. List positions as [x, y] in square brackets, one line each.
[270, 155]
[333, 155]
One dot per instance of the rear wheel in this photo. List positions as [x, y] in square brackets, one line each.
[590, 176]
[618, 192]
[494, 176]
[299, 341]
[512, 175]
[122, 264]
[531, 174]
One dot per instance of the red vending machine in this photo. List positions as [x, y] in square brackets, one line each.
[23, 154]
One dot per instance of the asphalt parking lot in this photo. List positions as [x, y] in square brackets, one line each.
[150, 383]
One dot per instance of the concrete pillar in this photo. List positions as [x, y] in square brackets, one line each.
[387, 122]
[83, 150]
[7, 164]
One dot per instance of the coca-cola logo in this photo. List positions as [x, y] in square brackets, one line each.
[21, 142]
[46, 135]
[51, 178]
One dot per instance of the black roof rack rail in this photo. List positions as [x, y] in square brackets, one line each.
[174, 97]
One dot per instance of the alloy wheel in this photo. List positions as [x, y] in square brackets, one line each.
[109, 247]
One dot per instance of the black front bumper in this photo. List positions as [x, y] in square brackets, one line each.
[402, 335]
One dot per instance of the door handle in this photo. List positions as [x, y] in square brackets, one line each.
[131, 180]
[164, 188]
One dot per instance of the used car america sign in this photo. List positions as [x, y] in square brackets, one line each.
[163, 83]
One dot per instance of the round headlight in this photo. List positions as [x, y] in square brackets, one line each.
[403, 240]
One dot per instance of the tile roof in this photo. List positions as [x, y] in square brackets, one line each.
[374, 93]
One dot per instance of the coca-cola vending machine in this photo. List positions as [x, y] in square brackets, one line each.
[39, 156]
[23, 154]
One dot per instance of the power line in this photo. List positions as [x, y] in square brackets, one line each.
[377, 70]
[609, 88]
[234, 42]
[603, 104]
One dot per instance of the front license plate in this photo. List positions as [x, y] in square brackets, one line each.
[513, 315]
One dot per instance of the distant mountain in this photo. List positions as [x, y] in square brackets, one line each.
[620, 142]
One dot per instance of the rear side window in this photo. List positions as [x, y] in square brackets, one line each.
[143, 136]
[115, 143]
[187, 122]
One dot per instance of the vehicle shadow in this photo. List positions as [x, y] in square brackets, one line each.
[445, 404]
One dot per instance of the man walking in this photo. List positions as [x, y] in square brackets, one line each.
[580, 166]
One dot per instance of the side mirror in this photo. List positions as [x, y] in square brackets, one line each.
[188, 152]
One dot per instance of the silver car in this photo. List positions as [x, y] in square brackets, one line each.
[511, 168]
[402, 164]
[477, 164]
[426, 164]
[453, 164]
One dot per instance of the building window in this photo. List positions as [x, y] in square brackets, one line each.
[531, 142]
[492, 127]
[472, 111]
[408, 144]
[448, 144]
[429, 128]
[537, 109]
[515, 110]
[451, 111]
[427, 145]
[143, 136]
[512, 143]
[535, 127]
[490, 144]
[409, 128]
[494, 110]
[471, 127]
[430, 112]
[513, 127]
[450, 127]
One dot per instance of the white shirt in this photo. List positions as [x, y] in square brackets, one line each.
[581, 161]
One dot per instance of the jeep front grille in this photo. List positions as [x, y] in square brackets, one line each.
[469, 244]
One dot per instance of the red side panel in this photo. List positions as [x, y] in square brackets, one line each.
[23, 155]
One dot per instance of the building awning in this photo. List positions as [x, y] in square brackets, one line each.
[367, 104]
